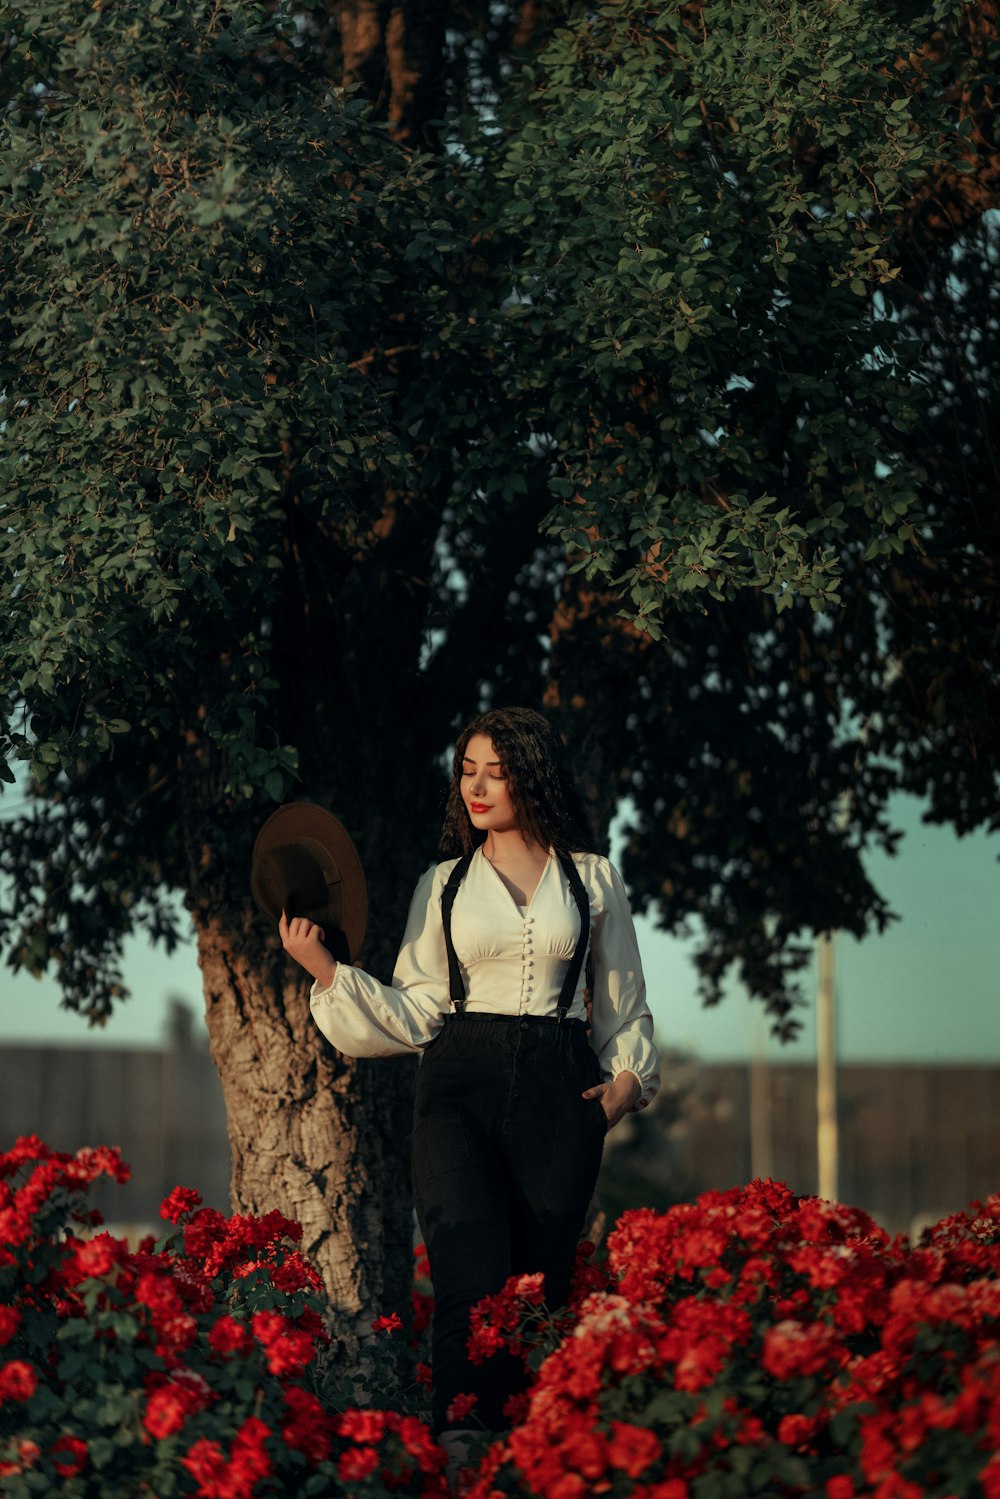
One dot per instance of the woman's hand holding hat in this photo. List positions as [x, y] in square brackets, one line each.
[304, 865]
[303, 941]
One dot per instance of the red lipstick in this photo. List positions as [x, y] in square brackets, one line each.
[479, 807]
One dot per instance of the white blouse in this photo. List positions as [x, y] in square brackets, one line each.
[513, 960]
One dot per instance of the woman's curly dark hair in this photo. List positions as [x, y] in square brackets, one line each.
[533, 762]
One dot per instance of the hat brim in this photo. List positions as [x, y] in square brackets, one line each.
[304, 826]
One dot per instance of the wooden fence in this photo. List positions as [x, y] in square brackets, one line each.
[916, 1142]
[164, 1109]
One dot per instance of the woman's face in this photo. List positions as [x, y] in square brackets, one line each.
[484, 790]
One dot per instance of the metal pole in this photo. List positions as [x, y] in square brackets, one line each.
[826, 1068]
[761, 1151]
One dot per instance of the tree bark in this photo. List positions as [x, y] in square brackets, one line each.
[312, 1133]
[362, 33]
[414, 43]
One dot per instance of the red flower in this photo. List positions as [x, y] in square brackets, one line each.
[307, 1426]
[229, 1336]
[195, 1288]
[700, 1337]
[792, 1348]
[840, 1487]
[515, 1408]
[18, 1380]
[751, 1432]
[796, 1431]
[236, 1478]
[25, 1455]
[495, 1320]
[10, 1319]
[171, 1400]
[460, 1407]
[392, 1323]
[989, 1479]
[419, 1443]
[897, 1487]
[156, 1290]
[69, 1456]
[295, 1273]
[423, 1310]
[423, 1376]
[206, 1462]
[587, 1277]
[180, 1203]
[25, 1148]
[102, 1160]
[15, 1228]
[878, 1452]
[632, 1448]
[95, 1259]
[312, 1323]
[203, 1233]
[288, 1349]
[558, 1450]
[365, 1426]
[176, 1330]
[240, 1244]
[357, 1463]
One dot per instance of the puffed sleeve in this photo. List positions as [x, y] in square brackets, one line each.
[621, 1023]
[363, 1018]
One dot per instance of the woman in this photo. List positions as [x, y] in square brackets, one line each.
[512, 1100]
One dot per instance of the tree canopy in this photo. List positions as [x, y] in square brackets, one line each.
[277, 389]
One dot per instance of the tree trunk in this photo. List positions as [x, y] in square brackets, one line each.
[312, 1133]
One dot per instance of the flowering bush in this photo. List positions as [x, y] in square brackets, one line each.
[189, 1367]
[751, 1343]
[758, 1343]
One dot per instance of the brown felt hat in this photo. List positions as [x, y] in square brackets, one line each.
[305, 864]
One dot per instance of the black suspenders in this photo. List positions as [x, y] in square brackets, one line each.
[456, 987]
[576, 963]
[572, 978]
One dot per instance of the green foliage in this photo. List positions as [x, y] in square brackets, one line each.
[202, 241]
[701, 203]
[191, 269]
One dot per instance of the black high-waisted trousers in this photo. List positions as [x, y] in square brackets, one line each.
[505, 1159]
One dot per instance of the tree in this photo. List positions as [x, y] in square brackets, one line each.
[318, 436]
[196, 463]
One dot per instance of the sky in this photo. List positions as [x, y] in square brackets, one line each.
[926, 990]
